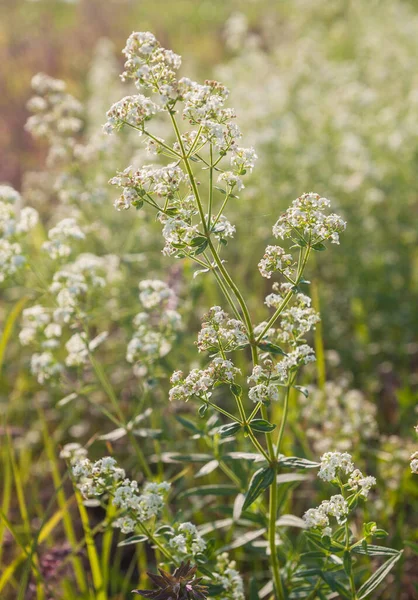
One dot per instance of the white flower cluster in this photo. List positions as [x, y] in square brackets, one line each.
[265, 389]
[338, 468]
[199, 382]
[337, 464]
[333, 463]
[78, 348]
[186, 541]
[221, 227]
[164, 182]
[306, 221]
[337, 417]
[13, 227]
[132, 110]
[220, 333]
[270, 376]
[414, 463]
[156, 327]
[361, 483]
[73, 452]
[178, 234]
[104, 476]
[151, 66]
[43, 326]
[297, 319]
[57, 116]
[318, 518]
[226, 575]
[275, 259]
[58, 236]
[154, 69]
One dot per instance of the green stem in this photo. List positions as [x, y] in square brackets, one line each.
[284, 417]
[275, 566]
[351, 574]
[287, 298]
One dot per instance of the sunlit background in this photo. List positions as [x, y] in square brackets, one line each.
[327, 93]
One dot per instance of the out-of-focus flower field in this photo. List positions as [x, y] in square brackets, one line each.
[95, 318]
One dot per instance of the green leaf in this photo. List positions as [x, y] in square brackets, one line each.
[238, 504]
[236, 389]
[135, 539]
[207, 468]
[253, 590]
[198, 240]
[188, 424]
[203, 410]
[176, 457]
[372, 550]
[244, 456]
[201, 248]
[302, 390]
[262, 425]
[347, 562]
[163, 529]
[297, 463]
[260, 481]
[377, 577]
[335, 585]
[229, 429]
[210, 490]
[319, 247]
[114, 435]
[272, 348]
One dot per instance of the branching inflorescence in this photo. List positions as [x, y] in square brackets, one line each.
[203, 174]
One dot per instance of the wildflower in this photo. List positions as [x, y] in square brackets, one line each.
[63, 231]
[73, 452]
[414, 462]
[226, 575]
[275, 259]
[131, 110]
[359, 483]
[306, 220]
[199, 382]
[222, 229]
[337, 418]
[334, 462]
[318, 518]
[153, 293]
[221, 333]
[9, 195]
[45, 367]
[231, 180]
[243, 159]
[151, 66]
[186, 540]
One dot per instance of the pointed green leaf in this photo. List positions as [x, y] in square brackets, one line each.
[377, 577]
[262, 425]
[260, 481]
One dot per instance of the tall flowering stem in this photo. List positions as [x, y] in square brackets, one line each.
[173, 190]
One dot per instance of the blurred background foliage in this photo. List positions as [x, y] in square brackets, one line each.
[327, 92]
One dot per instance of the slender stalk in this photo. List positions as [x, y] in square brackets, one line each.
[351, 574]
[287, 298]
[284, 417]
[275, 566]
[210, 187]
